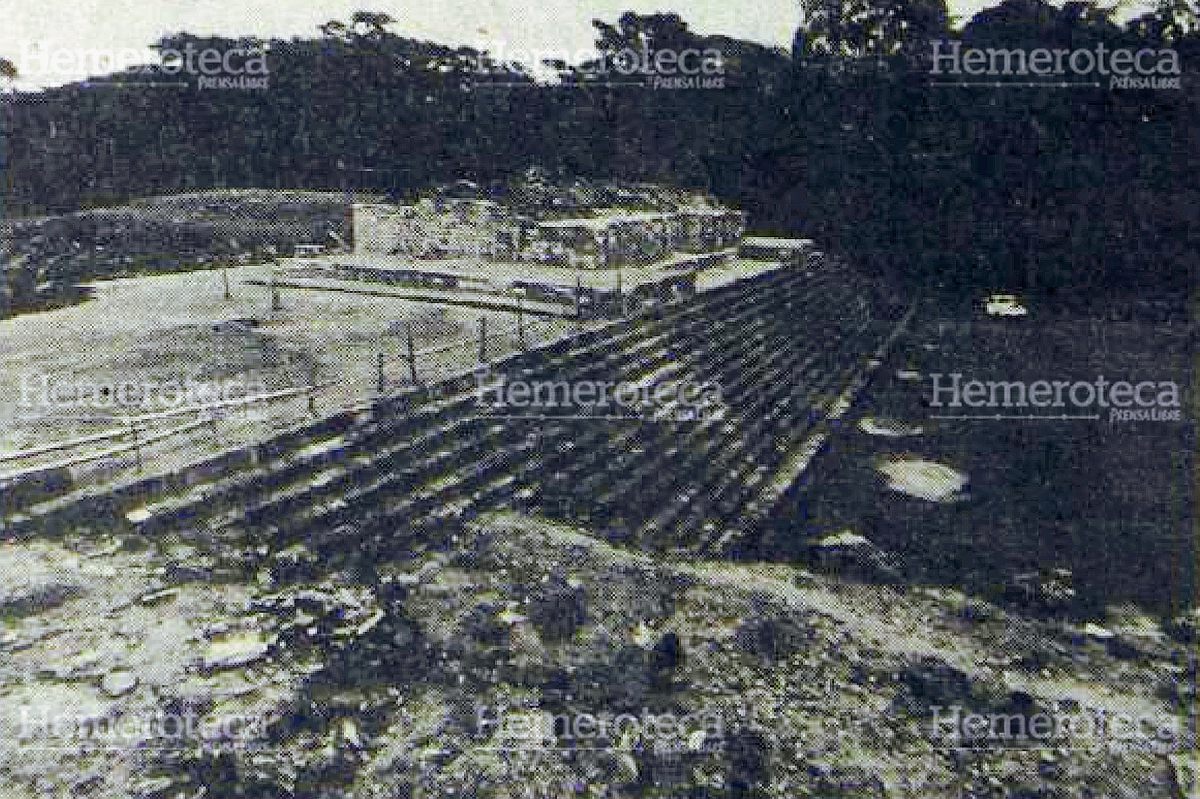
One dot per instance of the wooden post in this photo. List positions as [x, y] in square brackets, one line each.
[483, 339]
[380, 385]
[225, 280]
[412, 355]
[137, 446]
[520, 324]
[312, 388]
[578, 306]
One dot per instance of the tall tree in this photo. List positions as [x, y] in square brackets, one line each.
[857, 28]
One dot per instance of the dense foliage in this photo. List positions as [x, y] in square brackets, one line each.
[844, 139]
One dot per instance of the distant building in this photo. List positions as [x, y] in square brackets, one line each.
[378, 228]
[598, 238]
[641, 238]
[462, 227]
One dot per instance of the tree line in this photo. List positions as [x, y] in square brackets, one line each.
[845, 138]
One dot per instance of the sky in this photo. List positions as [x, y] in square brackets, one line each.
[53, 42]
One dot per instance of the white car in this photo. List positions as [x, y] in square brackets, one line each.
[1004, 305]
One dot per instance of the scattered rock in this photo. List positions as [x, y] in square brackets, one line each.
[854, 555]
[294, 564]
[193, 569]
[633, 593]
[1004, 305]
[429, 572]
[484, 626]
[749, 754]
[1049, 591]
[24, 600]
[931, 681]
[889, 428]
[557, 608]
[135, 543]
[774, 639]
[662, 662]
[510, 617]
[1184, 627]
[843, 540]
[87, 783]
[118, 683]
[138, 515]
[923, 479]
[159, 597]
[152, 788]
[349, 734]
[234, 650]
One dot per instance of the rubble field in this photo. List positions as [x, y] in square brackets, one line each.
[521, 657]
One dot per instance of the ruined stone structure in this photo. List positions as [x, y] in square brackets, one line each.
[593, 238]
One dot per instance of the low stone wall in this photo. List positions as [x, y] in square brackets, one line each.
[104, 507]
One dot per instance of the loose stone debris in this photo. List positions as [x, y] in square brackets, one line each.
[890, 428]
[432, 675]
[119, 683]
[923, 479]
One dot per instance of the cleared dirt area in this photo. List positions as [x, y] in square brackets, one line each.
[180, 328]
[172, 329]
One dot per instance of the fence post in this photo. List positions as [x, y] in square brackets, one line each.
[520, 324]
[312, 388]
[380, 385]
[137, 445]
[578, 306]
[483, 339]
[412, 354]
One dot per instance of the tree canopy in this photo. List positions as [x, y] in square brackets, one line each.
[846, 138]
